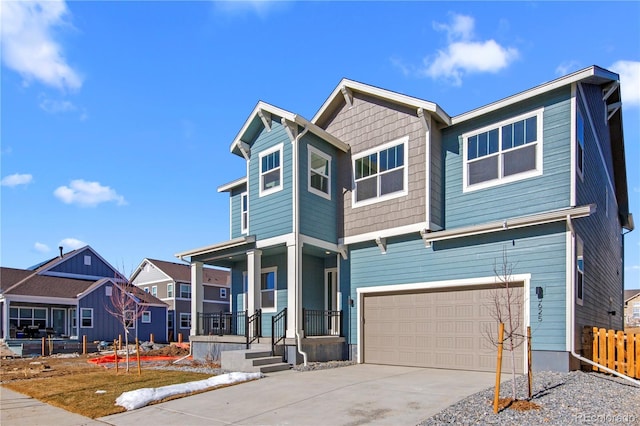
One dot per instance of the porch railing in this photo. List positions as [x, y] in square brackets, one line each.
[279, 332]
[253, 327]
[321, 323]
[220, 323]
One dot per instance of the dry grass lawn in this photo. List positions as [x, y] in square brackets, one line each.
[71, 384]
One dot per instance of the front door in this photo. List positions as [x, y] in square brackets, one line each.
[59, 321]
[331, 302]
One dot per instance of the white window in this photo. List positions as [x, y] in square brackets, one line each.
[129, 319]
[579, 272]
[154, 290]
[185, 291]
[169, 290]
[271, 170]
[244, 213]
[87, 260]
[504, 152]
[223, 293]
[319, 173]
[146, 317]
[185, 320]
[580, 145]
[86, 317]
[268, 286]
[381, 174]
[636, 310]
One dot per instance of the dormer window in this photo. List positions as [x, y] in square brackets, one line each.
[271, 170]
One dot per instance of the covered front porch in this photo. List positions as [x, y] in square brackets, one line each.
[283, 295]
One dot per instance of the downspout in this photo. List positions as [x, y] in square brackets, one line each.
[296, 237]
[573, 328]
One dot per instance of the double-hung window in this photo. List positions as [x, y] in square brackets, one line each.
[271, 170]
[381, 174]
[146, 317]
[169, 290]
[504, 152]
[130, 319]
[185, 320]
[185, 291]
[268, 286]
[319, 173]
[244, 213]
[86, 317]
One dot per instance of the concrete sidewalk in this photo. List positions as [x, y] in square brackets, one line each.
[17, 409]
[358, 394]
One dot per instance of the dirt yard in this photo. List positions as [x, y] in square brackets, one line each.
[64, 364]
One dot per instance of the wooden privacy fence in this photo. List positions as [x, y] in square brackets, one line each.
[615, 350]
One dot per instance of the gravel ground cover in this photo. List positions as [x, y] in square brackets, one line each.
[564, 399]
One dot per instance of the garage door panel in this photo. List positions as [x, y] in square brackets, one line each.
[443, 329]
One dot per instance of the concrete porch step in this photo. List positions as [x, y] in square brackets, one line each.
[266, 360]
[272, 368]
[252, 360]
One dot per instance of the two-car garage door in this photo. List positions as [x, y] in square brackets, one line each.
[439, 329]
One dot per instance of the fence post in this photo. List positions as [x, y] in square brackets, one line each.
[179, 337]
[43, 351]
[84, 344]
[529, 372]
[151, 338]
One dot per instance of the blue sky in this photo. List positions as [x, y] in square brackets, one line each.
[117, 117]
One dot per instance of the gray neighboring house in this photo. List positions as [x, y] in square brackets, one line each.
[171, 283]
[632, 308]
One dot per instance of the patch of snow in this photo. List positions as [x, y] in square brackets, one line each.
[139, 398]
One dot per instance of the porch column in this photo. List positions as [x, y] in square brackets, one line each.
[5, 319]
[254, 273]
[292, 282]
[197, 295]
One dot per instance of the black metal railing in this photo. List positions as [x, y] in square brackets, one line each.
[279, 332]
[221, 323]
[321, 323]
[253, 327]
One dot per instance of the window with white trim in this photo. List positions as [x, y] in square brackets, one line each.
[169, 290]
[185, 291]
[271, 170]
[319, 181]
[381, 174]
[185, 320]
[223, 293]
[504, 152]
[579, 272]
[268, 286]
[146, 317]
[636, 310]
[580, 145]
[86, 317]
[244, 213]
[129, 319]
[154, 290]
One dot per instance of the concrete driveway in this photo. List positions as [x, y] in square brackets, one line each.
[354, 395]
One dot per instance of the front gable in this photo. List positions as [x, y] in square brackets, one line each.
[84, 263]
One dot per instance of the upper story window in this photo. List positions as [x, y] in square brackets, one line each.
[154, 291]
[169, 290]
[87, 260]
[504, 152]
[185, 291]
[381, 174]
[319, 173]
[244, 218]
[580, 145]
[271, 170]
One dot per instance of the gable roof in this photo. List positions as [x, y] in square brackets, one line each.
[21, 282]
[263, 115]
[630, 294]
[181, 272]
[46, 266]
[346, 87]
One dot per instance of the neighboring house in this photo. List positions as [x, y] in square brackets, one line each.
[68, 297]
[171, 283]
[380, 223]
[632, 308]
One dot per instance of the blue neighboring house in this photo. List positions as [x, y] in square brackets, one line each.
[378, 230]
[68, 297]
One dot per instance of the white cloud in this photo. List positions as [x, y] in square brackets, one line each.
[16, 179]
[56, 106]
[29, 46]
[629, 72]
[567, 67]
[71, 244]
[465, 55]
[87, 194]
[40, 247]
